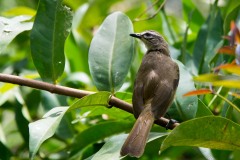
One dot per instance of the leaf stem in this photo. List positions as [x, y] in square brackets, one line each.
[229, 102]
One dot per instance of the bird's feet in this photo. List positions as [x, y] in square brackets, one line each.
[170, 123]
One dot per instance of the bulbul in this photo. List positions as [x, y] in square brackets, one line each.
[154, 89]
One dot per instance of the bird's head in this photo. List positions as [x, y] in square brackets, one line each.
[152, 40]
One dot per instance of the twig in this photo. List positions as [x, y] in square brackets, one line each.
[153, 15]
[67, 91]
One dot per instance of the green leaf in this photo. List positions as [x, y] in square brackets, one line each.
[185, 107]
[203, 110]
[208, 40]
[5, 152]
[10, 28]
[96, 133]
[48, 35]
[209, 132]
[21, 10]
[44, 128]
[111, 149]
[97, 99]
[232, 15]
[111, 52]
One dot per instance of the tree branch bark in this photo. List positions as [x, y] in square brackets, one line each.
[73, 93]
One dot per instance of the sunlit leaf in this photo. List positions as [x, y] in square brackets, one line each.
[44, 128]
[97, 99]
[235, 95]
[227, 83]
[203, 110]
[10, 28]
[111, 52]
[213, 77]
[21, 10]
[198, 92]
[235, 69]
[209, 132]
[50, 29]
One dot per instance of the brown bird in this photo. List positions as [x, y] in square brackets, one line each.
[154, 89]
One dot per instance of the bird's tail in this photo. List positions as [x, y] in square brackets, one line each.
[137, 138]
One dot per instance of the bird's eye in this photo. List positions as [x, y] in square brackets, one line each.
[147, 36]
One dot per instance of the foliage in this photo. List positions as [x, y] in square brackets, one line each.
[85, 45]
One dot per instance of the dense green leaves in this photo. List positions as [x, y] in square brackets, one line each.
[45, 128]
[50, 29]
[210, 131]
[88, 128]
[111, 52]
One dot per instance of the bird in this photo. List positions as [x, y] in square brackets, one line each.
[154, 89]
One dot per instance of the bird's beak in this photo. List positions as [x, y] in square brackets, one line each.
[136, 35]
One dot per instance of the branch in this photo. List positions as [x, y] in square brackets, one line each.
[153, 15]
[73, 93]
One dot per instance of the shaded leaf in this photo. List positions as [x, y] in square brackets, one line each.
[5, 152]
[44, 128]
[50, 29]
[111, 52]
[208, 39]
[10, 28]
[209, 132]
[198, 92]
[186, 107]
[96, 133]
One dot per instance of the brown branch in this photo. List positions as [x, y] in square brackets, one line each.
[73, 93]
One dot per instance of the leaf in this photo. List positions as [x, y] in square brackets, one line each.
[185, 107]
[198, 92]
[209, 132]
[10, 28]
[232, 14]
[208, 40]
[111, 52]
[203, 110]
[96, 133]
[5, 152]
[227, 49]
[76, 48]
[227, 83]
[21, 10]
[210, 77]
[97, 99]
[111, 149]
[50, 29]
[44, 128]
[235, 69]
